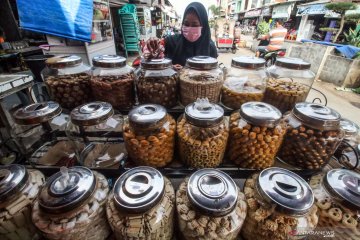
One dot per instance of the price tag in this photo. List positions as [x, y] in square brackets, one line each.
[111, 122]
[60, 120]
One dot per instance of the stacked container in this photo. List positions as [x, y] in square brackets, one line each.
[71, 206]
[210, 206]
[141, 205]
[18, 190]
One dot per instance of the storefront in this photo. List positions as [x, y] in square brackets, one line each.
[266, 13]
[252, 17]
[282, 11]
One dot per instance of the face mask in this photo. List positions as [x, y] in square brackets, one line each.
[191, 33]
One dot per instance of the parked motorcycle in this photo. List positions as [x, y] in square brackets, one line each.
[270, 57]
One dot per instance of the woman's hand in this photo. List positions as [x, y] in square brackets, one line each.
[177, 67]
[153, 49]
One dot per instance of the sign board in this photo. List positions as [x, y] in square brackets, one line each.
[253, 13]
[282, 11]
[316, 9]
[266, 11]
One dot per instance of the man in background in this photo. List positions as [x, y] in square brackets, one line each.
[276, 39]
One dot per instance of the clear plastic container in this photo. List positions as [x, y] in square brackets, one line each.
[96, 134]
[245, 82]
[68, 80]
[141, 205]
[200, 78]
[312, 137]
[256, 134]
[71, 206]
[210, 206]
[156, 82]
[290, 81]
[112, 81]
[202, 134]
[280, 206]
[149, 135]
[18, 190]
[337, 195]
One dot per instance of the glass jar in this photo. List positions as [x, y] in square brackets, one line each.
[68, 80]
[112, 81]
[337, 195]
[256, 134]
[141, 205]
[53, 150]
[156, 82]
[312, 137]
[18, 190]
[210, 206]
[290, 81]
[200, 78]
[96, 135]
[245, 82]
[280, 206]
[202, 134]
[71, 205]
[149, 135]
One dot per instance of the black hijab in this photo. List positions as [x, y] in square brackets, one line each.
[179, 49]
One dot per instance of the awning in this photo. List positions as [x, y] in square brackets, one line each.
[282, 10]
[253, 13]
[316, 8]
[266, 11]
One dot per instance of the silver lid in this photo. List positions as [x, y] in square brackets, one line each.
[212, 192]
[202, 113]
[317, 116]
[202, 62]
[345, 184]
[156, 64]
[260, 114]
[350, 128]
[67, 189]
[248, 62]
[109, 61]
[91, 114]
[12, 179]
[146, 116]
[37, 113]
[290, 193]
[139, 189]
[63, 61]
[292, 63]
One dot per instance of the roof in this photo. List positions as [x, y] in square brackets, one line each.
[315, 2]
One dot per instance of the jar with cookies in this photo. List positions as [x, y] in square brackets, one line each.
[337, 195]
[202, 134]
[68, 81]
[210, 207]
[256, 134]
[312, 137]
[245, 82]
[112, 81]
[149, 135]
[71, 206]
[157, 83]
[200, 78]
[290, 81]
[142, 205]
[280, 206]
[95, 132]
[19, 188]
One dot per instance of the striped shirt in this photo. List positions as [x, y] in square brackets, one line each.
[277, 37]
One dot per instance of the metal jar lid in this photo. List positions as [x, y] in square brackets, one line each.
[67, 189]
[63, 61]
[260, 114]
[202, 113]
[202, 62]
[292, 63]
[91, 114]
[344, 184]
[350, 128]
[139, 189]
[12, 180]
[290, 193]
[146, 116]
[156, 64]
[37, 113]
[248, 62]
[317, 116]
[212, 191]
[109, 61]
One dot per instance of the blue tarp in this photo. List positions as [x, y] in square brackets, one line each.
[348, 50]
[65, 18]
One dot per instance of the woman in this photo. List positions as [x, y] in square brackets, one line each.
[195, 39]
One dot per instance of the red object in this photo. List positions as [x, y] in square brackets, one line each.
[136, 62]
[225, 40]
[281, 53]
